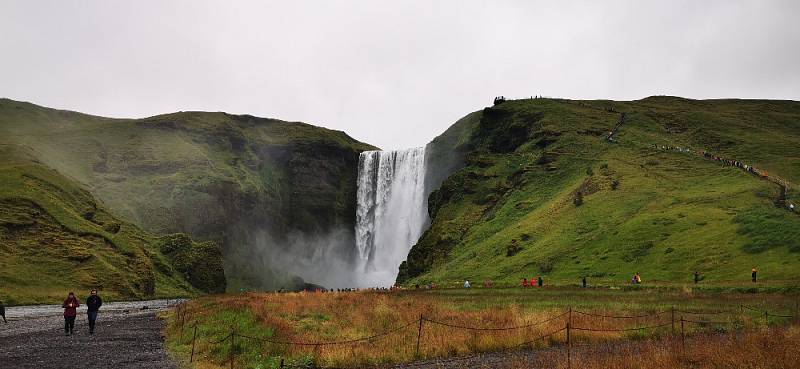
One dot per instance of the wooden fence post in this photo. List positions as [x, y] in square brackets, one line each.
[683, 339]
[183, 322]
[673, 319]
[569, 346]
[570, 314]
[419, 335]
[233, 337]
[194, 336]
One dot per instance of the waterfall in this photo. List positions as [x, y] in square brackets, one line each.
[392, 211]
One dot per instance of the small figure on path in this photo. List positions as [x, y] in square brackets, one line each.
[696, 277]
[583, 282]
[3, 312]
[539, 281]
[93, 304]
[466, 284]
[754, 274]
[637, 279]
[70, 306]
[524, 282]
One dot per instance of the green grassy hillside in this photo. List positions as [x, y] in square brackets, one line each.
[55, 237]
[511, 212]
[247, 183]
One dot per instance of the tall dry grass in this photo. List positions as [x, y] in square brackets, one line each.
[774, 348]
[333, 317]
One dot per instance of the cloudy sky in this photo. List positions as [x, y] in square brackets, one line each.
[394, 74]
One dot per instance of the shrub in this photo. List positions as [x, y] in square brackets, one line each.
[513, 248]
[578, 200]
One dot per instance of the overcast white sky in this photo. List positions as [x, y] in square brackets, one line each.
[393, 74]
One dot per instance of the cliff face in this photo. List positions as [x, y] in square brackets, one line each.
[566, 189]
[244, 182]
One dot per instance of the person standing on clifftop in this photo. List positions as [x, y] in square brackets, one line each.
[70, 306]
[93, 303]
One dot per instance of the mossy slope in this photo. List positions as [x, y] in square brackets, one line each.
[511, 212]
[231, 179]
[55, 237]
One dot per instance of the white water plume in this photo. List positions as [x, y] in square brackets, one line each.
[392, 211]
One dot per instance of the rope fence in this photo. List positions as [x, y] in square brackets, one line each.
[620, 316]
[566, 327]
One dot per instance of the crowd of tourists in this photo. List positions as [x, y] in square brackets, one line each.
[735, 163]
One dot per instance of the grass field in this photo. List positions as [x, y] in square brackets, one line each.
[264, 322]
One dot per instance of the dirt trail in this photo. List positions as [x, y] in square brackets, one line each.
[126, 336]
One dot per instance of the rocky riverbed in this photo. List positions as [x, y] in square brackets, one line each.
[128, 335]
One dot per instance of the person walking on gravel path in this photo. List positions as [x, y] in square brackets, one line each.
[3, 312]
[70, 306]
[754, 274]
[93, 303]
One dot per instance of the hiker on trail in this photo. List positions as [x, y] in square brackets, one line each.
[3, 312]
[696, 277]
[540, 281]
[93, 303]
[583, 282]
[466, 284]
[754, 274]
[524, 282]
[633, 279]
[638, 278]
[70, 306]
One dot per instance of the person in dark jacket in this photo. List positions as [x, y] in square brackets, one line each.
[3, 312]
[93, 304]
[70, 306]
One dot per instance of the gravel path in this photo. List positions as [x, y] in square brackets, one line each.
[127, 336]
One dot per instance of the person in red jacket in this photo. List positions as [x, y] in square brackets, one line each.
[70, 306]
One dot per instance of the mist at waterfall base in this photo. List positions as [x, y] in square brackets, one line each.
[391, 215]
